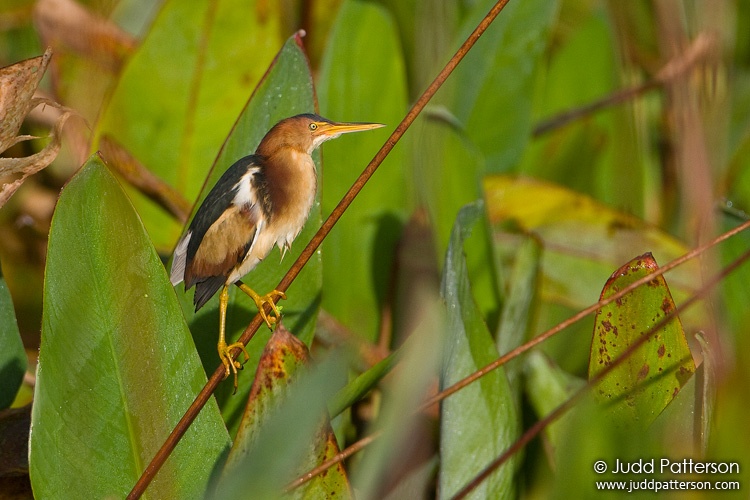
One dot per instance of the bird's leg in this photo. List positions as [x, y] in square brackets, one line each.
[225, 351]
[262, 300]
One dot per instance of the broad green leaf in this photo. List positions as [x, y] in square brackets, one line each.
[13, 360]
[481, 118]
[281, 365]
[479, 422]
[447, 170]
[652, 375]
[285, 90]
[492, 88]
[284, 432]
[362, 78]
[117, 366]
[181, 91]
[411, 26]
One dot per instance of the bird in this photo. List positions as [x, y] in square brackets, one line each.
[262, 200]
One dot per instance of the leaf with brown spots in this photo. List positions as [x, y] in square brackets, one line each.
[281, 382]
[652, 373]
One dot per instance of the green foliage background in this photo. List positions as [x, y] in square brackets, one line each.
[476, 234]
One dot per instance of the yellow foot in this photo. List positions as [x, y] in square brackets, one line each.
[230, 364]
[261, 301]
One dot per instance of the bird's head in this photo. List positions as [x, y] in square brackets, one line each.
[306, 132]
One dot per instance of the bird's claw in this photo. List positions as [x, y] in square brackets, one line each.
[274, 316]
[231, 364]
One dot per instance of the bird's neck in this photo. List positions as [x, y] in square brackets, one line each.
[288, 159]
[291, 183]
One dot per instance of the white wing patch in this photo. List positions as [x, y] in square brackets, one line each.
[245, 189]
[179, 260]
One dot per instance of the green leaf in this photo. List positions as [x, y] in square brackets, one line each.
[479, 422]
[582, 68]
[181, 91]
[521, 294]
[583, 239]
[357, 388]
[493, 86]
[13, 360]
[358, 254]
[547, 387]
[117, 366]
[285, 90]
[652, 375]
[447, 173]
[463, 135]
[586, 437]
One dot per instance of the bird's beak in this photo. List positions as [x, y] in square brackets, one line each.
[331, 130]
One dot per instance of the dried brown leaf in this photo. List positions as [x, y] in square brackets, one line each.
[69, 24]
[29, 165]
[18, 82]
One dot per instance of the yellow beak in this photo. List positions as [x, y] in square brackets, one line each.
[332, 130]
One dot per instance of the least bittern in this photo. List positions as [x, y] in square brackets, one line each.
[262, 200]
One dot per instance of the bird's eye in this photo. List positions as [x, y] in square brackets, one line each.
[313, 126]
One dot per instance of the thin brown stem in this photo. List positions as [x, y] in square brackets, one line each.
[675, 68]
[143, 179]
[200, 400]
[349, 451]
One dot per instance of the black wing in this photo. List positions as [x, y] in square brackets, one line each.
[217, 202]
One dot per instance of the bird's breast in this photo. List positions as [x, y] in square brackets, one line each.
[292, 187]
